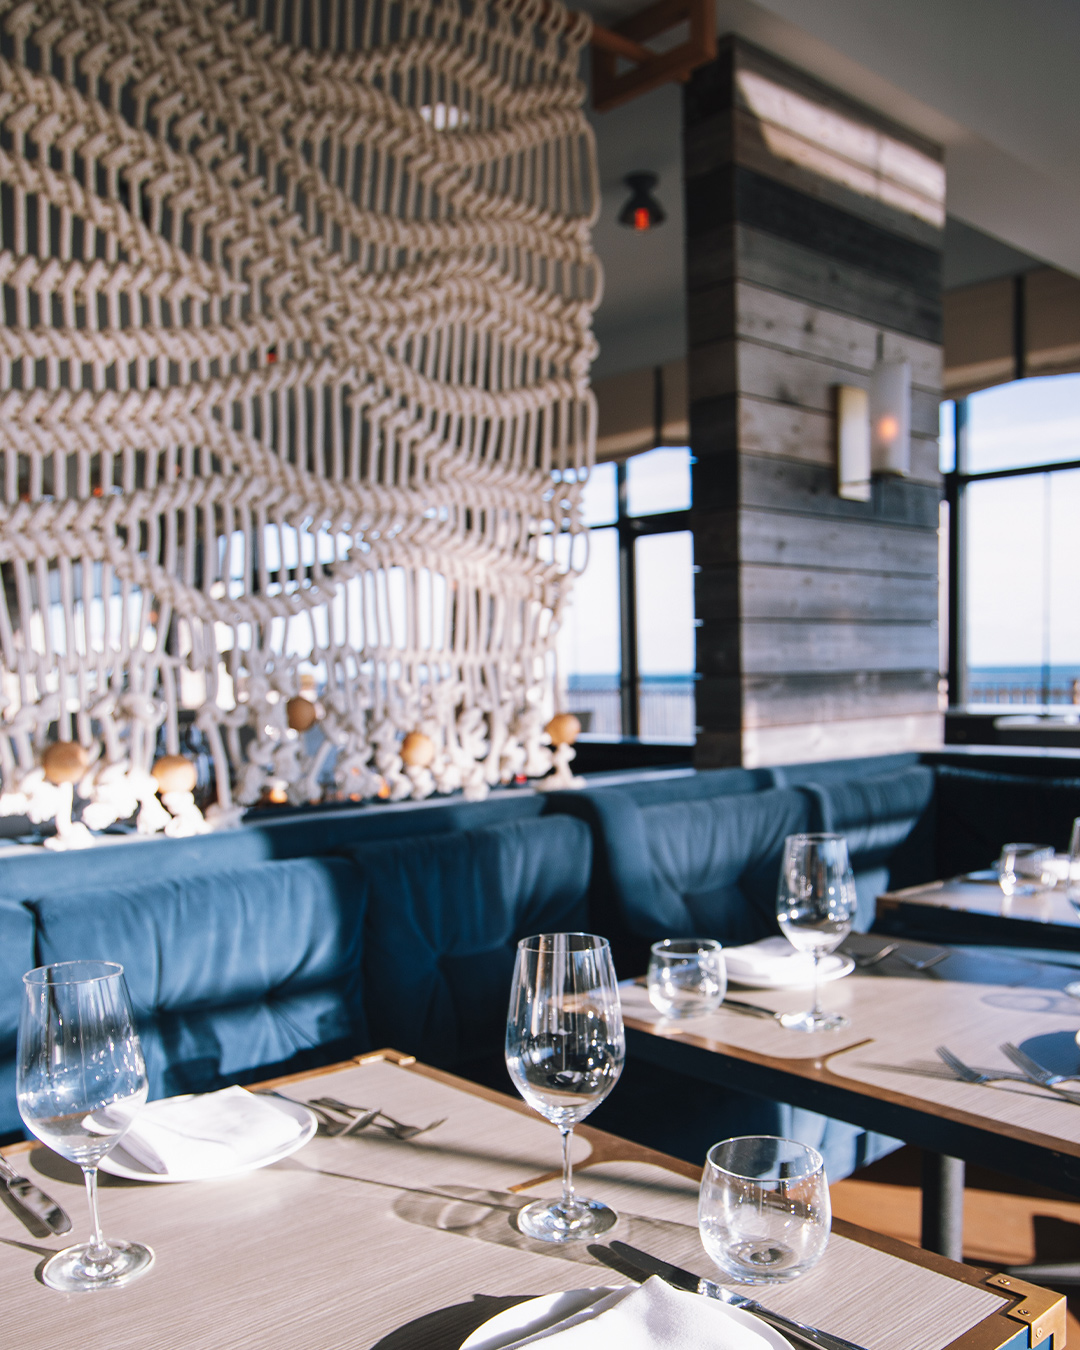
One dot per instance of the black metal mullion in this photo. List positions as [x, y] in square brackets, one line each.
[954, 491]
[628, 674]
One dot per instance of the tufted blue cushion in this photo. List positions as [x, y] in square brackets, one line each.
[16, 958]
[888, 821]
[716, 862]
[445, 913]
[230, 974]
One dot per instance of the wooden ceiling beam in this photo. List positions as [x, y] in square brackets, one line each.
[649, 68]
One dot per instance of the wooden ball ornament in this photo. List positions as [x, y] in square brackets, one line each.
[174, 773]
[301, 713]
[563, 729]
[65, 762]
[417, 750]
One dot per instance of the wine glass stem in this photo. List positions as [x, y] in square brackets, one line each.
[97, 1249]
[567, 1133]
[817, 986]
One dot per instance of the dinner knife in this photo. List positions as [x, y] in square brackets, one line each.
[34, 1200]
[639, 1265]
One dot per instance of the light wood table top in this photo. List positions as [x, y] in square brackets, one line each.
[382, 1245]
[881, 1071]
[974, 909]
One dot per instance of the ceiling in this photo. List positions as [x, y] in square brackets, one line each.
[991, 81]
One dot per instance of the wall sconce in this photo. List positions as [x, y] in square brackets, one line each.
[853, 443]
[873, 429]
[642, 211]
[890, 417]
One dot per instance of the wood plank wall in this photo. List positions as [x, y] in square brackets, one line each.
[817, 616]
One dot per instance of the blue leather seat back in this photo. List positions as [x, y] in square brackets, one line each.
[716, 863]
[313, 834]
[888, 820]
[842, 770]
[16, 958]
[979, 812]
[445, 914]
[231, 975]
[693, 786]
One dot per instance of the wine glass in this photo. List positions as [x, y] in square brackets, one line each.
[815, 904]
[80, 1081]
[764, 1211]
[564, 1049]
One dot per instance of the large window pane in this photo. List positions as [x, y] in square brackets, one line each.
[1023, 558]
[588, 640]
[658, 480]
[600, 500]
[665, 633]
[1033, 421]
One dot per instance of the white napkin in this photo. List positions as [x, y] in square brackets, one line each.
[772, 958]
[653, 1317]
[208, 1135]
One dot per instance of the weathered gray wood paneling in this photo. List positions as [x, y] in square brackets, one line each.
[811, 541]
[819, 593]
[812, 609]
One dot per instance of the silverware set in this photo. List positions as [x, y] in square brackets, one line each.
[339, 1120]
[1030, 1071]
[865, 960]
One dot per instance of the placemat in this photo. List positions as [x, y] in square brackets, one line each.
[377, 1244]
[860, 1293]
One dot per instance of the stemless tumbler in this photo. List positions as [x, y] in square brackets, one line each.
[687, 976]
[764, 1211]
[564, 1049]
[80, 1081]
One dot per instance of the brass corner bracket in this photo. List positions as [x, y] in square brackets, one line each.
[649, 68]
[1042, 1310]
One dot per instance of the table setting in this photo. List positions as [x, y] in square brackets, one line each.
[366, 1175]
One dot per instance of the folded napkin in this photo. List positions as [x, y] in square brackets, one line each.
[209, 1135]
[772, 958]
[653, 1317]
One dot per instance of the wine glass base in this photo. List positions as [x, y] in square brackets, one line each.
[71, 1271]
[808, 1021]
[1072, 989]
[551, 1221]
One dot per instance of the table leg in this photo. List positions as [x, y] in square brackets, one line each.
[943, 1205]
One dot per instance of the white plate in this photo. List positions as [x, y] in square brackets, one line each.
[833, 967]
[121, 1164]
[538, 1314]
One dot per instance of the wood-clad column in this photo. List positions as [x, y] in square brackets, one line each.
[813, 243]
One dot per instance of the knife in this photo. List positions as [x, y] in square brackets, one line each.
[34, 1201]
[750, 1009]
[639, 1265]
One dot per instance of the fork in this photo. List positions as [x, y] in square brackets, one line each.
[398, 1129]
[1036, 1073]
[925, 962]
[872, 958]
[970, 1075]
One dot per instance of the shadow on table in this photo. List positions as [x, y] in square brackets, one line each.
[446, 1328]
[490, 1216]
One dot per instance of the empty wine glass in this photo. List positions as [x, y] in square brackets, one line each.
[815, 904]
[764, 1211]
[80, 1081]
[565, 1047]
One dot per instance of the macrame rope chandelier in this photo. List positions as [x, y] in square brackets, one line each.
[294, 406]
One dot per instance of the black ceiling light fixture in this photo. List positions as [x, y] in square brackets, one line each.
[642, 211]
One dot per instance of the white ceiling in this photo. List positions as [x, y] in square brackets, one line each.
[993, 81]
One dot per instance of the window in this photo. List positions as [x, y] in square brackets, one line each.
[1014, 483]
[626, 645]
